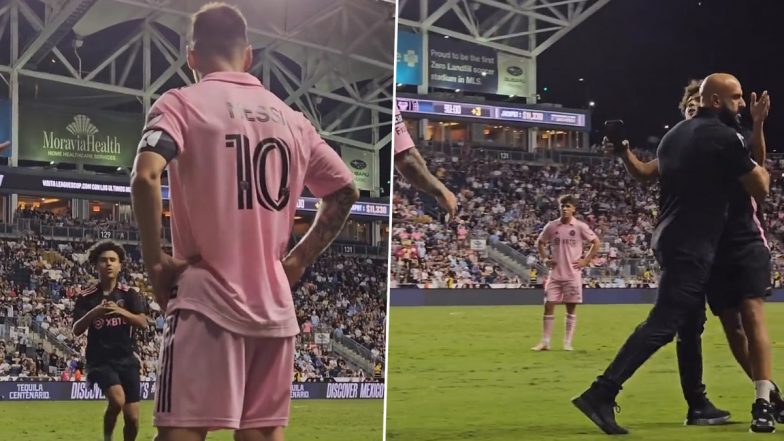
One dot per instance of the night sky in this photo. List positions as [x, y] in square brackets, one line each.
[637, 55]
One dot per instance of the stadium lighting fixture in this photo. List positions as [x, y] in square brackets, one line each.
[592, 104]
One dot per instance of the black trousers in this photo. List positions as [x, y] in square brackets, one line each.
[679, 309]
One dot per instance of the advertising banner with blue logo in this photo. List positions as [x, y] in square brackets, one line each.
[455, 64]
[362, 165]
[5, 126]
[408, 65]
[73, 390]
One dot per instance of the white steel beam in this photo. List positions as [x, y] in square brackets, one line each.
[579, 18]
[82, 83]
[130, 62]
[47, 32]
[438, 13]
[39, 26]
[123, 46]
[269, 34]
[470, 38]
[524, 34]
[529, 12]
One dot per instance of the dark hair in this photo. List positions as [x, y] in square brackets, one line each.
[218, 29]
[691, 89]
[103, 246]
[568, 199]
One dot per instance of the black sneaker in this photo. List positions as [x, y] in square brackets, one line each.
[762, 417]
[706, 414]
[601, 410]
[778, 404]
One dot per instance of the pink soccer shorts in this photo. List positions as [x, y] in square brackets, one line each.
[210, 378]
[556, 291]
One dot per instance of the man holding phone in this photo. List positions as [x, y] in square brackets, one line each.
[701, 161]
[689, 347]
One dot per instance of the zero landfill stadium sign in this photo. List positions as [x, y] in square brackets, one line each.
[78, 136]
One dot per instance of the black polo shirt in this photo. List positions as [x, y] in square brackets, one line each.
[700, 162]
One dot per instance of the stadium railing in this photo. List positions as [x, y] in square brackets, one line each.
[52, 339]
[355, 346]
[499, 248]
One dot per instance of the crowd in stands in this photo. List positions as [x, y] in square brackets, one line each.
[39, 278]
[510, 202]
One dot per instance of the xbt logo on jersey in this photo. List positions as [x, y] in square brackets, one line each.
[110, 322]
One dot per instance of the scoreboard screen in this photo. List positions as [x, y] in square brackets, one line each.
[485, 111]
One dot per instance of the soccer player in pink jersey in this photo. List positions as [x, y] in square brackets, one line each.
[412, 166]
[238, 159]
[565, 237]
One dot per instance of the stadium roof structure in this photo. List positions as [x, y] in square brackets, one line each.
[330, 59]
[521, 27]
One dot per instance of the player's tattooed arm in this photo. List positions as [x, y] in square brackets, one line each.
[412, 166]
[330, 219]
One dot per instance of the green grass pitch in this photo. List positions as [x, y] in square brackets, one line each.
[316, 420]
[467, 373]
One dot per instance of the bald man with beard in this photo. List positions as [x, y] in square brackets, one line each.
[703, 162]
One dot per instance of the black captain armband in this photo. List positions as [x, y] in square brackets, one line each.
[159, 142]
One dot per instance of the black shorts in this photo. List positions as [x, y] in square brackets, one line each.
[739, 274]
[126, 375]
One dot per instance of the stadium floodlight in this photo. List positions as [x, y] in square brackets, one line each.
[592, 104]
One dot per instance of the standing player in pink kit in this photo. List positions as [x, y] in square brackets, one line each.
[564, 284]
[238, 160]
[412, 166]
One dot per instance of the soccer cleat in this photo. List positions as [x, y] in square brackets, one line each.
[706, 414]
[568, 347]
[762, 417]
[778, 404]
[601, 410]
[542, 346]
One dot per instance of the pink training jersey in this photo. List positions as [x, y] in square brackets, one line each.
[566, 246]
[244, 158]
[403, 140]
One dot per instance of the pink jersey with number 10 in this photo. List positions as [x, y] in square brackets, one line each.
[244, 158]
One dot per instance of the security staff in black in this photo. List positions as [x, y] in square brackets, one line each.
[109, 313]
[700, 162]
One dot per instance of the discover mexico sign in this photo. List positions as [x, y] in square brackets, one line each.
[81, 390]
[78, 136]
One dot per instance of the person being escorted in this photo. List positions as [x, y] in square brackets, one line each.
[700, 162]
